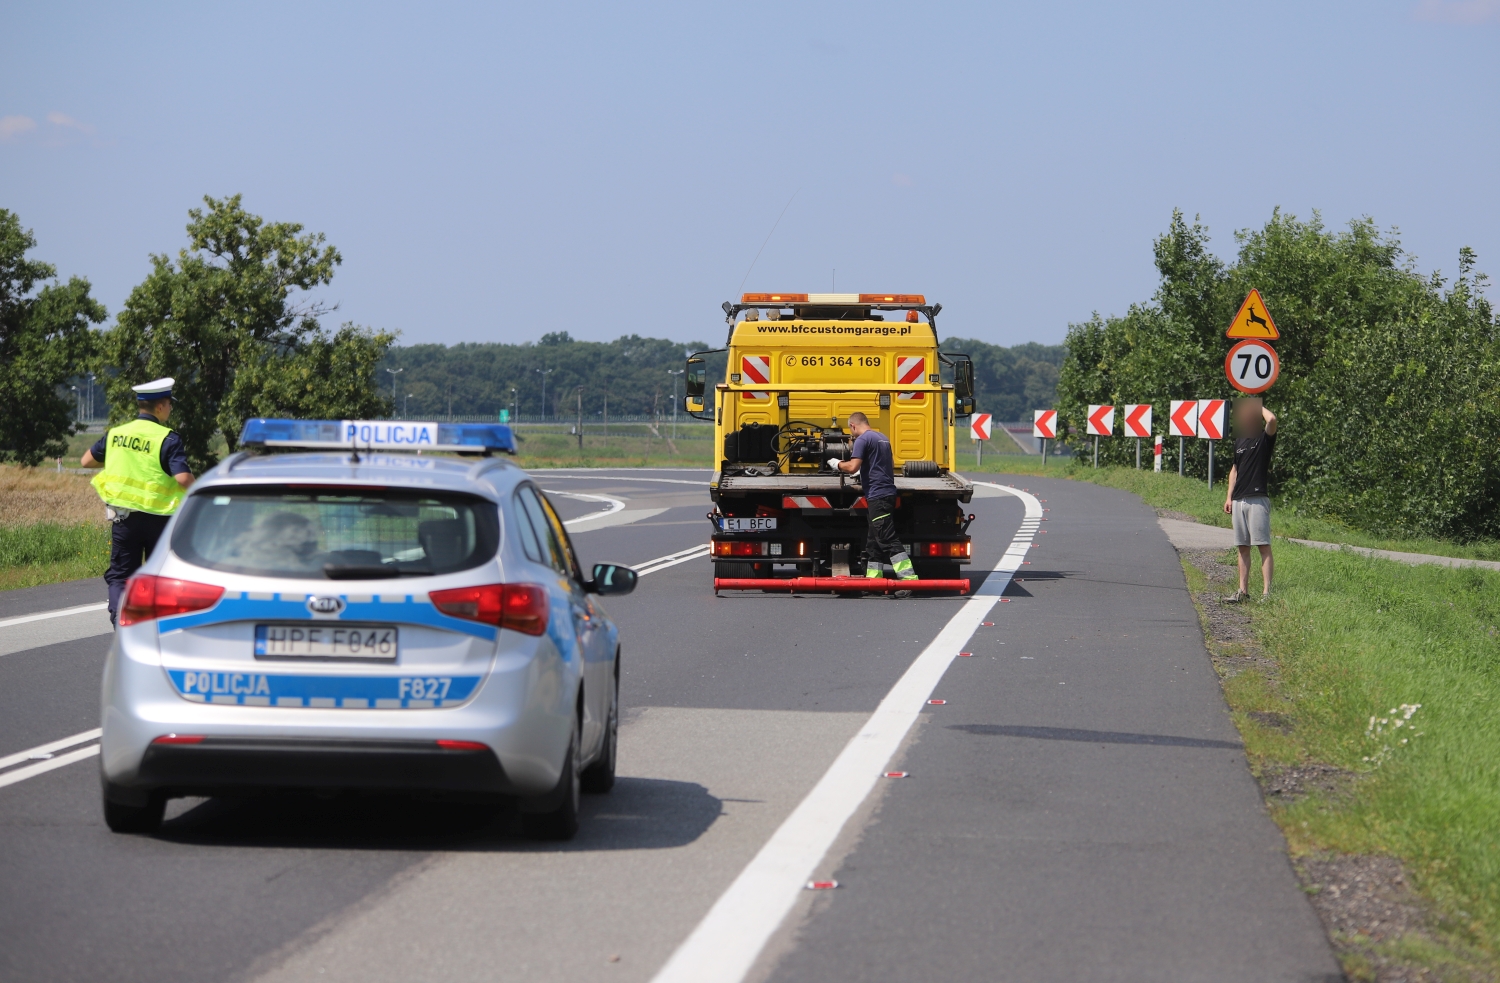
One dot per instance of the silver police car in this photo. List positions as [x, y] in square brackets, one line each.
[358, 619]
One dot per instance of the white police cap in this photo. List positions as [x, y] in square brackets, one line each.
[155, 389]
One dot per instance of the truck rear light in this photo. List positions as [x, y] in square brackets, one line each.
[961, 549]
[892, 299]
[519, 607]
[736, 547]
[179, 739]
[148, 597]
[462, 745]
[773, 298]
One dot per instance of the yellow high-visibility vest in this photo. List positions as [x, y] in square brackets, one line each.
[133, 477]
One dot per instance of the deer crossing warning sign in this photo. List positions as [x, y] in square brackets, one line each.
[1253, 320]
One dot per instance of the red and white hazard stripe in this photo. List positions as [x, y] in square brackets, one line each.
[756, 368]
[909, 372]
[806, 502]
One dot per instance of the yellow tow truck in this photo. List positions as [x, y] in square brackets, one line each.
[794, 368]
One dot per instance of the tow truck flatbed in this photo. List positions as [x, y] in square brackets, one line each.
[945, 485]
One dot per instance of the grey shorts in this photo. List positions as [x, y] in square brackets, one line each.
[1252, 521]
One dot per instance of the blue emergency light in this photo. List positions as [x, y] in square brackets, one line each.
[379, 435]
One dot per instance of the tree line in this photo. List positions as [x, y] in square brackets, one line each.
[229, 318]
[1389, 393]
[635, 376]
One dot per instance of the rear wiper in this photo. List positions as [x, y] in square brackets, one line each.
[359, 571]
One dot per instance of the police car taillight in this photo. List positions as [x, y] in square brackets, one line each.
[148, 597]
[519, 607]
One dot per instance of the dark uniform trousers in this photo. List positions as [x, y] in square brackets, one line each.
[882, 543]
[131, 540]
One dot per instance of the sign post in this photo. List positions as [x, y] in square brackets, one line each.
[1183, 423]
[1211, 428]
[1138, 425]
[1101, 424]
[979, 426]
[1044, 426]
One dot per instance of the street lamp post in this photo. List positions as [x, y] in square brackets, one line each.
[406, 406]
[544, 373]
[674, 373]
[394, 373]
[515, 402]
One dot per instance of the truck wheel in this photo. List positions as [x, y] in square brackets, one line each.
[937, 569]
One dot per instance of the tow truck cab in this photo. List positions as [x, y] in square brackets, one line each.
[780, 394]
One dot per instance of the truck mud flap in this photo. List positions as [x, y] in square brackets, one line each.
[838, 585]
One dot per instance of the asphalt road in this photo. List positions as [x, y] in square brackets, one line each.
[1078, 809]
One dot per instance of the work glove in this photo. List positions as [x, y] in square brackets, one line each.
[833, 464]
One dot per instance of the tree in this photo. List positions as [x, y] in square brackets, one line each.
[1389, 395]
[222, 321]
[44, 339]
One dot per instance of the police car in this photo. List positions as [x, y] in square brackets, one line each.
[334, 611]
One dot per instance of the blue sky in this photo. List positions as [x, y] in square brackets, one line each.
[494, 172]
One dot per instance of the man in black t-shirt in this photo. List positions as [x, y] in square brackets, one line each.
[1248, 500]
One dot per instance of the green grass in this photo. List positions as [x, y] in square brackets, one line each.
[1355, 638]
[46, 553]
[1193, 497]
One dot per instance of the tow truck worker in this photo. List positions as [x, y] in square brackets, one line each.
[871, 457]
[144, 478]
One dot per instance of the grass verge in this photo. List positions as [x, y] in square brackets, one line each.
[47, 553]
[1192, 497]
[1374, 686]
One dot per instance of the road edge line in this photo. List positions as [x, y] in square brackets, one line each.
[58, 613]
[726, 943]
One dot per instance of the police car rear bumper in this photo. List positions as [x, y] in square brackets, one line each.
[216, 765]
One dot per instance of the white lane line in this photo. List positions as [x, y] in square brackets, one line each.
[726, 943]
[44, 749]
[41, 767]
[59, 613]
[662, 563]
[602, 477]
[615, 505]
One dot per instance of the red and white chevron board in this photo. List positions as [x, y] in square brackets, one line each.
[1101, 420]
[806, 502]
[1183, 420]
[909, 370]
[980, 426]
[756, 368]
[1138, 420]
[1044, 423]
[1211, 418]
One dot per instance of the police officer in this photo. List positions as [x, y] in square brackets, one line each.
[144, 478]
[871, 457]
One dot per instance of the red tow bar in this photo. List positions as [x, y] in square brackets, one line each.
[851, 585]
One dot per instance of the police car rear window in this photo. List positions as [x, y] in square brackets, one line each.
[335, 533]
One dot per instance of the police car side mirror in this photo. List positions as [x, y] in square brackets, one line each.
[611, 578]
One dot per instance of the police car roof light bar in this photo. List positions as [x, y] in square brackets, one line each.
[378, 435]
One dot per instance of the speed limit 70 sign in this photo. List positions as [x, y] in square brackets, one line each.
[1252, 366]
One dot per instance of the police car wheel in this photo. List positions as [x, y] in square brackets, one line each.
[123, 818]
[599, 777]
[561, 821]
